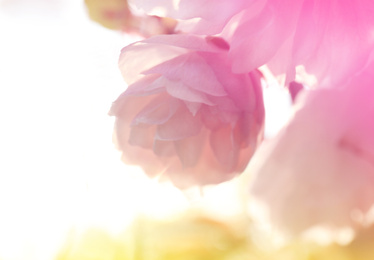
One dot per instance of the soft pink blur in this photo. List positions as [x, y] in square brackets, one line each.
[331, 39]
[319, 169]
[185, 114]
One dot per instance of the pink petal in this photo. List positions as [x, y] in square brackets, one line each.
[189, 150]
[126, 107]
[183, 92]
[319, 169]
[242, 132]
[210, 118]
[163, 148]
[334, 37]
[259, 38]
[142, 136]
[140, 56]
[193, 71]
[158, 111]
[148, 85]
[241, 89]
[193, 107]
[209, 23]
[224, 148]
[186, 41]
[207, 10]
[200, 26]
[182, 125]
[224, 104]
[207, 170]
[135, 155]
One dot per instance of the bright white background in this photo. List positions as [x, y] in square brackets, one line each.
[58, 167]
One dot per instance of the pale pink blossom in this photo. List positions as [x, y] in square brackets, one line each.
[184, 114]
[331, 39]
[319, 170]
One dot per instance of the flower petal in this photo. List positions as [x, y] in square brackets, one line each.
[319, 169]
[189, 150]
[224, 148]
[257, 39]
[182, 125]
[183, 92]
[142, 136]
[186, 68]
[163, 148]
[186, 41]
[140, 56]
[193, 107]
[148, 85]
[135, 155]
[213, 13]
[334, 37]
[157, 112]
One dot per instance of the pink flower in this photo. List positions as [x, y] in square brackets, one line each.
[184, 114]
[320, 169]
[331, 39]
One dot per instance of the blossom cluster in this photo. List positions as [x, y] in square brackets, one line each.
[193, 111]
